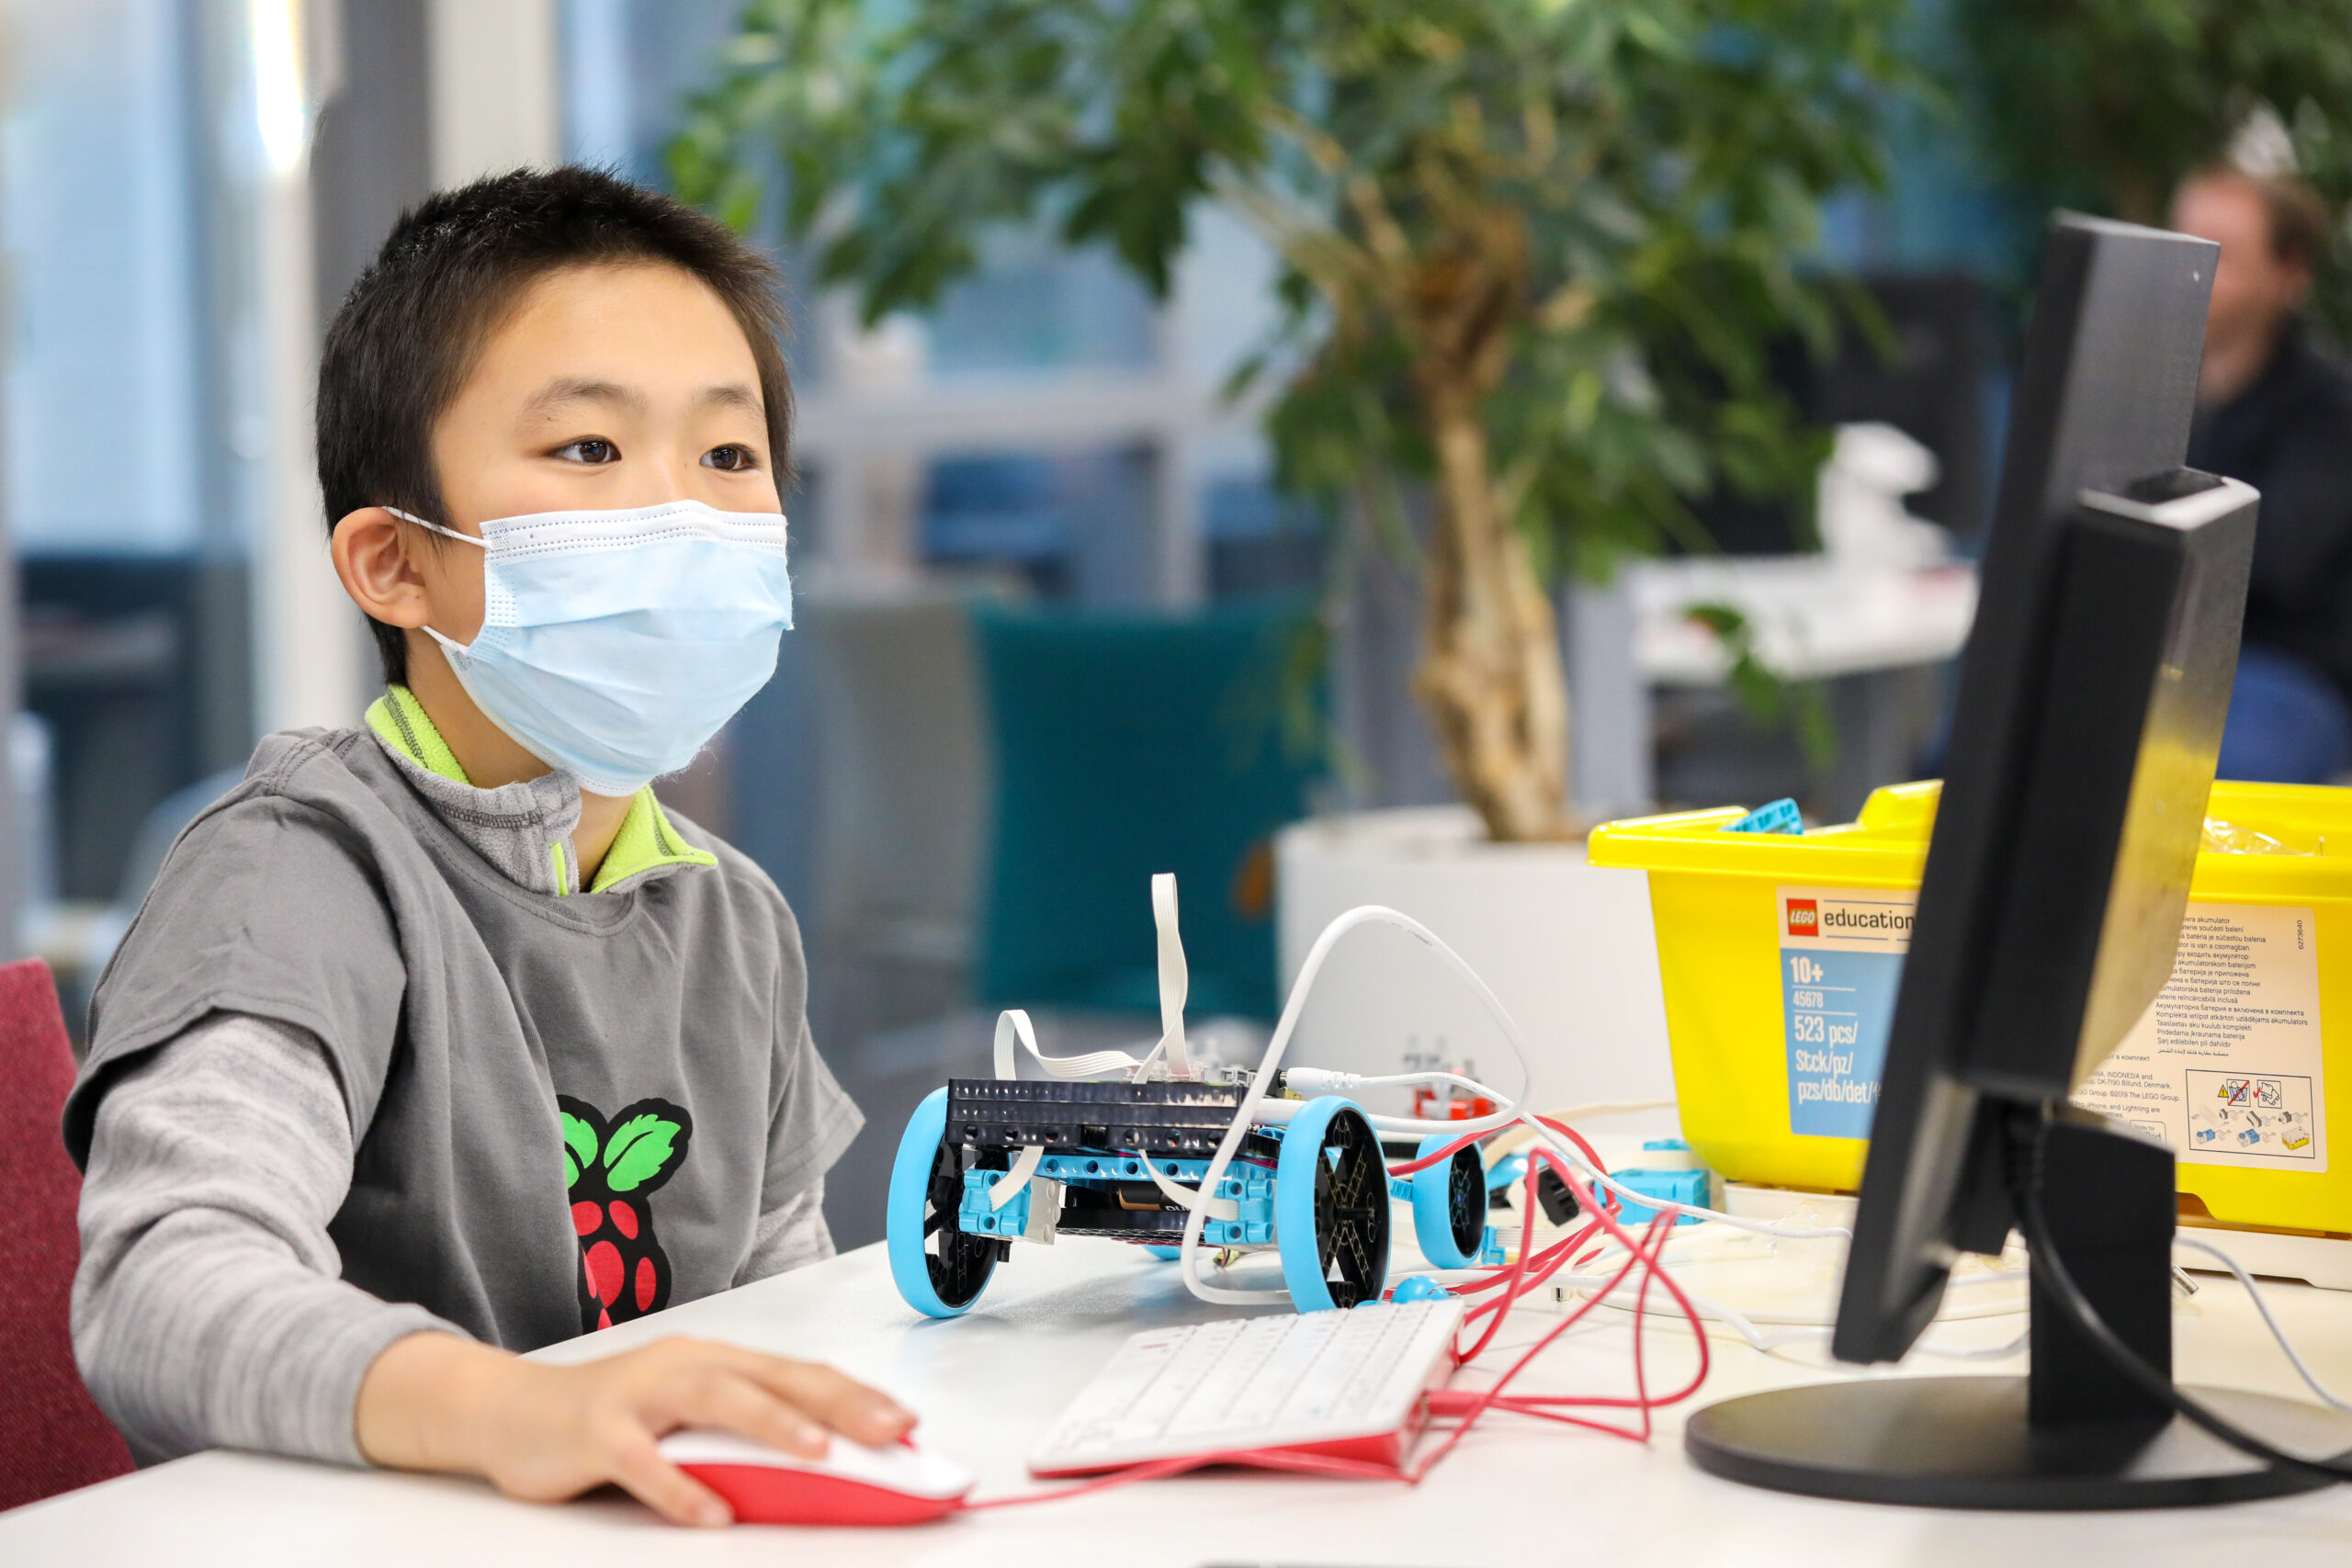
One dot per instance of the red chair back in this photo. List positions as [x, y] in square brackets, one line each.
[52, 1438]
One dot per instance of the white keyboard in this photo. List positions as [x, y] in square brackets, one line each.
[1322, 1379]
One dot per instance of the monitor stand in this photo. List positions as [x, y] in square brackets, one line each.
[2073, 1433]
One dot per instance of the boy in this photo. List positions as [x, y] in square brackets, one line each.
[439, 1040]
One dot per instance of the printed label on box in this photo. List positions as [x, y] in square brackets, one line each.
[2226, 1064]
[1841, 963]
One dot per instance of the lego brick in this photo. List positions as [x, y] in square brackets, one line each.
[1682, 1186]
[1177, 1119]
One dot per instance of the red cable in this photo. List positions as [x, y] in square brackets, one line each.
[1422, 1162]
[1467, 1406]
[1516, 1287]
[1646, 1254]
[1642, 1255]
[1666, 1215]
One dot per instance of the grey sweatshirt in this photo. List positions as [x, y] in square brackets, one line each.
[214, 1306]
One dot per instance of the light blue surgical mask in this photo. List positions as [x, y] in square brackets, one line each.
[614, 644]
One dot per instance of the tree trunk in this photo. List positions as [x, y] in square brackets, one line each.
[1491, 675]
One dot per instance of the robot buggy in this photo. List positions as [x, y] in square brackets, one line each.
[984, 1163]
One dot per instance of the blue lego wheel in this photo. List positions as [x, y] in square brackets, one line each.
[1449, 1204]
[1332, 1207]
[1166, 1254]
[938, 1268]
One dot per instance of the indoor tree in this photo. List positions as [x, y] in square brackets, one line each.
[1534, 253]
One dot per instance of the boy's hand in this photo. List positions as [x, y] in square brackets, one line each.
[436, 1402]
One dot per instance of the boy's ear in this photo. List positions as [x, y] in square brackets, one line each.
[371, 555]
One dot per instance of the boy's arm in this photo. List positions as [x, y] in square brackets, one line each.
[811, 1122]
[208, 1310]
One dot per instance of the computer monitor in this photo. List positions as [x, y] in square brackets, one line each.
[2088, 717]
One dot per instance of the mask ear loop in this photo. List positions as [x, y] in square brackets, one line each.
[449, 533]
[448, 646]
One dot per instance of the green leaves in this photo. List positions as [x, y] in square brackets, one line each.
[1574, 229]
[579, 1148]
[638, 1150]
[1665, 158]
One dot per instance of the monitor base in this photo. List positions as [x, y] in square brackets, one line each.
[1964, 1442]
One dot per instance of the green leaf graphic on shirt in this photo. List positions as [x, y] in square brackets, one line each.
[579, 1149]
[637, 1151]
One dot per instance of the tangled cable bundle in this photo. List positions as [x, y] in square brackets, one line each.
[1554, 1145]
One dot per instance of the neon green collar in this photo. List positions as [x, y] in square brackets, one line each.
[645, 843]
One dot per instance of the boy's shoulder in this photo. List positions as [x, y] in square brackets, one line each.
[327, 766]
[271, 903]
[324, 780]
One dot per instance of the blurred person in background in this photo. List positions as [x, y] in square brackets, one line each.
[2275, 413]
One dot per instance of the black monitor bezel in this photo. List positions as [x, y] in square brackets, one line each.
[2104, 397]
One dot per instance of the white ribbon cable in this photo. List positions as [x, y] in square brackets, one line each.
[1175, 982]
[1192, 1198]
[1013, 1181]
[1012, 1026]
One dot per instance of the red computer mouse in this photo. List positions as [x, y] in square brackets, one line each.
[897, 1483]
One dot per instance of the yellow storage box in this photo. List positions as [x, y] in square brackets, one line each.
[1782, 954]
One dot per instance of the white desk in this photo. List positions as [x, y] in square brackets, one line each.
[990, 1382]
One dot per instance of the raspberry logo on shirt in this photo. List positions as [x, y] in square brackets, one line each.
[610, 1168]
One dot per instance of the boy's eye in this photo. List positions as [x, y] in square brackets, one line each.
[730, 460]
[594, 449]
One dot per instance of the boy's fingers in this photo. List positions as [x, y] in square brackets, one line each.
[721, 1399]
[841, 1403]
[639, 1469]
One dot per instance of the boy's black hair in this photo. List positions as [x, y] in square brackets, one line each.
[412, 327]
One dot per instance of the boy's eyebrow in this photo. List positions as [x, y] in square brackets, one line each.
[581, 389]
[578, 389]
[733, 393]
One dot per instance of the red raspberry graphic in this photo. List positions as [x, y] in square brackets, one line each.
[605, 1271]
[624, 1271]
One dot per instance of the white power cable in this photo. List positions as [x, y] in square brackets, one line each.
[1311, 1081]
[1745, 1324]
[2302, 1369]
[1569, 1152]
[1248, 1113]
[1272, 1061]
[1793, 1329]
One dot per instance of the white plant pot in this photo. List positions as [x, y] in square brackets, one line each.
[1566, 946]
